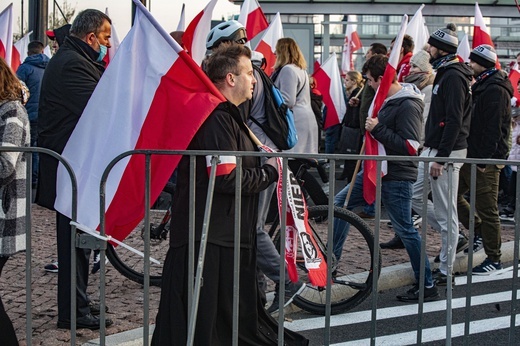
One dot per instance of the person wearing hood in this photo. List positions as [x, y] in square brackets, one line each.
[488, 139]
[31, 73]
[58, 36]
[398, 128]
[446, 134]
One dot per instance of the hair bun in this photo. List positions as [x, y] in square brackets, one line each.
[451, 26]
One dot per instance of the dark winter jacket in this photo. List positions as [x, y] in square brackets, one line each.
[399, 131]
[31, 73]
[68, 82]
[447, 127]
[220, 132]
[351, 118]
[491, 117]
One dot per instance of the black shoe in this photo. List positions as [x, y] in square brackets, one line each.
[95, 308]
[412, 295]
[394, 243]
[441, 279]
[85, 322]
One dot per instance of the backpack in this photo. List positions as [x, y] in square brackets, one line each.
[279, 125]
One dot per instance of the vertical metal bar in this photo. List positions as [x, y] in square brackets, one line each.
[28, 238]
[21, 35]
[469, 274]
[514, 285]
[191, 234]
[283, 225]
[202, 252]
[73, 231]
[375, 260]
[330, 231]
[449, 287]
[326, 37]
[424, 215]
[236, 252]
[146, 298]
[102, 277]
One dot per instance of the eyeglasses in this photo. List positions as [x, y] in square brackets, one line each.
[242, 40]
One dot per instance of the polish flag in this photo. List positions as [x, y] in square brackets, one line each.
[160, 100]
[481, 33]
[252, 18]
[329, 84]
[317, 65]
[194, 37]
[181, 26]
[463, 50]
[114, 42]
[418, 30]
[6, 34]
[350, 45]
[267, 44]
[373, 147]
[514, 77]
[20, 50]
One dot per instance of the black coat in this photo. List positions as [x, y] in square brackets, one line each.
[221, 132]
[68, 82]
[491, 117]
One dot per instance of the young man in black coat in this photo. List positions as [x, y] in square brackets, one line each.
[488, 139]
[69, 80]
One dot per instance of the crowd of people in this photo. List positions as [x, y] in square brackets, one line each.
[436, 107]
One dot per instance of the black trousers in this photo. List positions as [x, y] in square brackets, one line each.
[64, 234]
[7, 334]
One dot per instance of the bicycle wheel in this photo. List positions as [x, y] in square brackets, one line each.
[354, 271]
[130, 264]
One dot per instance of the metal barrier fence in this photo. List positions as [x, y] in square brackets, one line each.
[192, 261]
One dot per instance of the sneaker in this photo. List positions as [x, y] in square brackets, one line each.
[486, 267]
[462, 244]
[52, 267]
[97, 265]
[394, 243]
[441, 279]
[412, 295]
[364, 215]
[477, 244]
[507, 217]
[291, 290]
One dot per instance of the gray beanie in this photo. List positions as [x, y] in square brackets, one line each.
[421, 59]
[445, 39]
[484, 55]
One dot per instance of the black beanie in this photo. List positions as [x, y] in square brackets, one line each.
[445, 39]
[484, 55]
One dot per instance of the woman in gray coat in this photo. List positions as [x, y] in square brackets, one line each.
[14, 132]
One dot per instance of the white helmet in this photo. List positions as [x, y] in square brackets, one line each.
[226, 31]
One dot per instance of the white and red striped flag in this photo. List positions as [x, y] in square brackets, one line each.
[514, 77]
[463, 50]
[114, 42]
[6, 34]
[373, 147]
[20, 51]
[252, 18]
[194, 38]
[267, 44]
[481, 33]
[351, 44]
[418, 30]
[329, 84]
[151, 96]
[182, 20]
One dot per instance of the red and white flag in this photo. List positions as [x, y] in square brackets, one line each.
[418, 30]
[47, 51]
[194, 38]
[267, 44]
[252, 18]
[373, 147]
[182, 20]
[514, 77]
[20, 51]
[151, 96]
[463, 50]
[481, 33]
[114, 42]
[6, 34]
[350, 45]
[329, 84]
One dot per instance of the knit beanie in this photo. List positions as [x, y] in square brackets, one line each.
[445, 39]
[484, 55]
[421, 59]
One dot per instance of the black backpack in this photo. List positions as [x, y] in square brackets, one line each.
[279, 124]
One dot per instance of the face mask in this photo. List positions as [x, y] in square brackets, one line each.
[102, 51]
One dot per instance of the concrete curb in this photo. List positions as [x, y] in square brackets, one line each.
[391, 277]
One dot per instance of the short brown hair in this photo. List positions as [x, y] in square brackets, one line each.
[224, 60]
[376, 65]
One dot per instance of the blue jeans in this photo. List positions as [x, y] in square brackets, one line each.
[331, 138]
[397, 198]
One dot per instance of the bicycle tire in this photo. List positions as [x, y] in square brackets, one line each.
[353, 284]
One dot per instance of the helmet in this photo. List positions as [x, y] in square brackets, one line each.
[226, 31]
